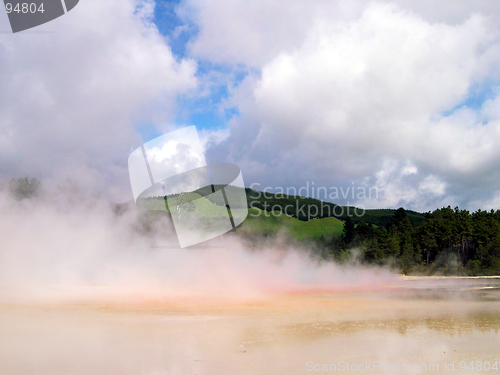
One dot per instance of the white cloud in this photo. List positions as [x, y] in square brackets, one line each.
[251, 32]
[356, 85]
[399, 184]
[211, 138]
[334, 91]
[255, 32]
[69, 99]
[432, 184]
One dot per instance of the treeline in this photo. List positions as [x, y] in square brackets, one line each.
[451, 241]
[305, 209]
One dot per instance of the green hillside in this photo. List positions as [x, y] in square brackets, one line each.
[271, 223]
[258, 222]
[304, 208]
[301, 217]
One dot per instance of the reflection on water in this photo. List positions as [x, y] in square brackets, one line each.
[472, 288]
[449, 326]
[424, 321]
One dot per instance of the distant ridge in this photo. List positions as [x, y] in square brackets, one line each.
[305, 208]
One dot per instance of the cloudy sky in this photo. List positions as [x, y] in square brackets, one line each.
[401, 96]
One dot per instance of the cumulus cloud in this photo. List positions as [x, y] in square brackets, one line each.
[398, 184]
[252, 33]
[356, 85]
[70, 97]
[339, 93]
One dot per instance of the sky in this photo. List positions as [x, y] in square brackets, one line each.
[395, 100]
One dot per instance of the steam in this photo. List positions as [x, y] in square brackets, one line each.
[67, 246]
[88, 287]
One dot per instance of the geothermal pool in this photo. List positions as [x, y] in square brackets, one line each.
[415, 325]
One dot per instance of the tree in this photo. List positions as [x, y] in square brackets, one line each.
[399, 215]
[374, 252]
[427, 238]
[393, 244]
[362, 231]
[349, 230]
[407, 257]
[23, 188]
[464, 231]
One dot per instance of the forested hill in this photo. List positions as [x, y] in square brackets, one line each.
[448, 241]
[302, 208]
[305, 209]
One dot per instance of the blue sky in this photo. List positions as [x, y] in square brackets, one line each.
[477, 95]
[167, 20]
[204, 110]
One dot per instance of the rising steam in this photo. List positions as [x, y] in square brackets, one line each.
[81, 242]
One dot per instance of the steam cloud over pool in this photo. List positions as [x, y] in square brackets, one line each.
[87, 290]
